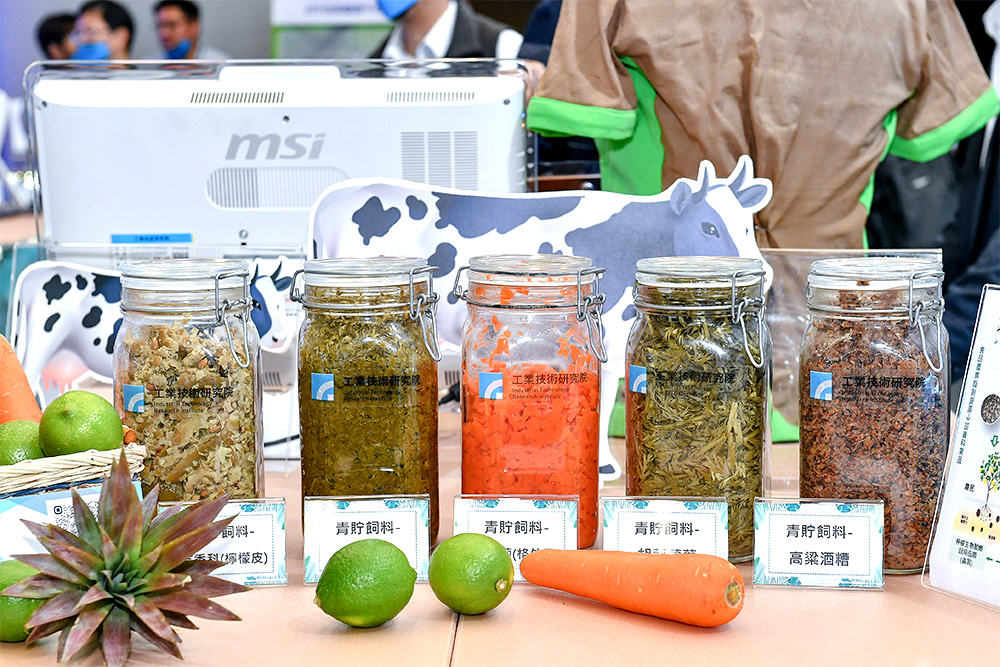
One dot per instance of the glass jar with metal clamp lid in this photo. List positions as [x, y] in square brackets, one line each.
[187, 377]
[531, 367]
[367, 378]
[698, 363]
[873, 394]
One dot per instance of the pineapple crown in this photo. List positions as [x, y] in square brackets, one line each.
[126, 570]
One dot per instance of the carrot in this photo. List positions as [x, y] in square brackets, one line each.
[696, 589]
[17, 401]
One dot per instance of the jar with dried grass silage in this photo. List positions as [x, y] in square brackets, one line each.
[698, 363]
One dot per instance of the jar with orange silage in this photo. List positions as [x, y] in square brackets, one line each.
[531, 377]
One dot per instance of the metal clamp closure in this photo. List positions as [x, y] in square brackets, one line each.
[239, 307]
[934, 307]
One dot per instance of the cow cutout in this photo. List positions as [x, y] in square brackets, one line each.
[66, 318]
[707, 216]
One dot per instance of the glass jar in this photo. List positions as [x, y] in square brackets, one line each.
[187, 377]
[698, 363]
[531, 377]
[873, 395]
[367, 377]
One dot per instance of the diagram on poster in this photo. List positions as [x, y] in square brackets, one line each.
[964, 557]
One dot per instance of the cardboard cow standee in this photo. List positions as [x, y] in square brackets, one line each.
[704, 216]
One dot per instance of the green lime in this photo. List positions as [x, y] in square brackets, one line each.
[19, 442]
[77, 421]
[366, 583]
[15, 612]
[471, 573]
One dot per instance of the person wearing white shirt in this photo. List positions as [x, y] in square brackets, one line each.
[427, 29]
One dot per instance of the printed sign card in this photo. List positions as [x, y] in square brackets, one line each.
[667, 525]
[332, 523]
[813, 543]
[521, 525]
[253, 544]
[964, 557]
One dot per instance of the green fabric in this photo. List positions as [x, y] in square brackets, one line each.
[939, 141]
[556, 118]
[634, 165]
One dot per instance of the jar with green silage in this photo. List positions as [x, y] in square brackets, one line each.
[367, 378]
[698, 363]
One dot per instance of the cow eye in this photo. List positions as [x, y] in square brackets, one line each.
[710, 229]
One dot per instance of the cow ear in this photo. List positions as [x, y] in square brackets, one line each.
[753, 197]
[680, 197]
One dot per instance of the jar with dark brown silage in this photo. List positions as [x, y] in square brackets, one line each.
[873, 395]
[367, 378]
[698, 363]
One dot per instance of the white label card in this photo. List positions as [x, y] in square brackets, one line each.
[964, 557]
[332, 523]
[820, 544]
[667, 525]
[253, 544]
[521, 525]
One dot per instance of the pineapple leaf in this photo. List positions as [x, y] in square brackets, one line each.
[95, 593]
[47, 564]
[211, 587]
[152, 618]
[179, 550]
[149, 506]
[57, 533]
[38, 529]
[45, 629]
[179, 620]
[154, 639]
[86, 524]
[166, 580]
[112, 556]
[82, 561]
[123, 510]
[56, 608]
[193, 605]
[131, 527]
[37, 587]
[83, 652]
[184, 521]
[84, 629]
[116, 638]
[200, 566]
[147, 561]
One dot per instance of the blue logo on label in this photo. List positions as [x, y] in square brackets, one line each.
[134, 397]
[491, 385]
[322, 386]
[821, 385]
[637, 379]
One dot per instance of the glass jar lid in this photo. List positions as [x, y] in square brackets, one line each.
[366, 271]
[184, 275]
[702, 272]
[875, 273]
[523, 270]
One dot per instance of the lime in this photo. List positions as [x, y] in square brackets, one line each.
[471, 573]
[15, 612]
[77, 421]
[19, 442]
[366, 583]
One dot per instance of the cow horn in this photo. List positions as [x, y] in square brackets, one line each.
[277, 272]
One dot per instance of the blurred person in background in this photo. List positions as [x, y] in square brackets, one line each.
[444, 29]
[104, 31]
[178, 25]
[54, 36]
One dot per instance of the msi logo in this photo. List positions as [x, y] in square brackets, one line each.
[292, 147]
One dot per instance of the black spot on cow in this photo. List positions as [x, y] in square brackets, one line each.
[51, 321]
[92, 318]
[443, 258]
[452, 299]
[81, 282]
[465, 212]
[628, 313]
[417, 208]
[110, 347]
[97, 341]
[373, 220]
[55, 289]
[546, 249]
[110, 287]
